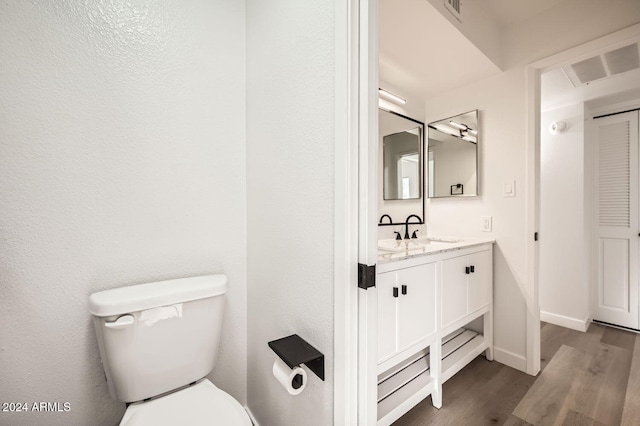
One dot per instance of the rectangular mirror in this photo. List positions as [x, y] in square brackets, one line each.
[452, 159]
[402, 163]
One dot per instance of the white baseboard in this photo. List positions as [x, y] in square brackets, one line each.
[253, 419]
[567, 322]
[505, 357]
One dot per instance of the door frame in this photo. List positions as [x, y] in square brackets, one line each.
[345, 359]
[533, 73]
[355, 192]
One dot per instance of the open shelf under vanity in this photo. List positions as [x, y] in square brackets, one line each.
[403, 386]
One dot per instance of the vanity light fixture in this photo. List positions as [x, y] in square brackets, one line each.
[390, 96]
[458, 125]
[448, 130]
[467, 133]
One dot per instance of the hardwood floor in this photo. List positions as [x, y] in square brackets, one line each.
[590, 378]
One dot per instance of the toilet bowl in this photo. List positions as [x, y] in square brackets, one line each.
[202, 404]
[158, 341]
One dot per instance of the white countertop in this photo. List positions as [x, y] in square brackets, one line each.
[405, 249]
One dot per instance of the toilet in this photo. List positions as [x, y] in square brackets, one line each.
[157, 342]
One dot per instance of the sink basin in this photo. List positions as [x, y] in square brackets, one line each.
[436, 240]
[394, 246]
[397, 246]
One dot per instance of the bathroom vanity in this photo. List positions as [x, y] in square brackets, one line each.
[434, 316]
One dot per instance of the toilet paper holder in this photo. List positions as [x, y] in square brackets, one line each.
[294, 350]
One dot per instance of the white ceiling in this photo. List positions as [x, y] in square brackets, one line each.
[510, 12]
[422, 54]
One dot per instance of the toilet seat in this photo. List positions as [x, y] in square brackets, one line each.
[200, 404]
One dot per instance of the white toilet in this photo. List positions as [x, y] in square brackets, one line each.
[157, 342]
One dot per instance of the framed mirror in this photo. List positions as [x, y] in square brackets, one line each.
[452, 156]
[401, 177]
[402, 170]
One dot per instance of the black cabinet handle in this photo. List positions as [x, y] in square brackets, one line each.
[467, 270]
[395, 292]
[404, 289]
[473, 269]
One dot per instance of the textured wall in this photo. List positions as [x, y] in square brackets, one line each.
[122, 160]
[290, 140]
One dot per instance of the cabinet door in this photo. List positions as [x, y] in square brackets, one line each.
[454, 289]
[386, 315]
[416, 309]
[480, 281]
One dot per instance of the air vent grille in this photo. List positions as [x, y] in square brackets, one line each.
[589, 69]
[455, 7]
[604, 65]
[623, 59]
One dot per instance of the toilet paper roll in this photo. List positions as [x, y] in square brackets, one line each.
[294, 381]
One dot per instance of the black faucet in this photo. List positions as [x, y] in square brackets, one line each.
[383, 216]
[406, 225]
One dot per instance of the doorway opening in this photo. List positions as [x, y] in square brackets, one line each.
[584, 177]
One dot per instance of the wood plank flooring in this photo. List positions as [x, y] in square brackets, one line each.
[590, 378]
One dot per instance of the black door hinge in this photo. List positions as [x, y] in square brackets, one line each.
[366, 276]
[535, 236]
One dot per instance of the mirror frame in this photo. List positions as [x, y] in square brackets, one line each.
[477, 162]
[423, 168]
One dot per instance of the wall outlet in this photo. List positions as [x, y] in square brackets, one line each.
[486, 223]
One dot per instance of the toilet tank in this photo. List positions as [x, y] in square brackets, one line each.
[160, 336]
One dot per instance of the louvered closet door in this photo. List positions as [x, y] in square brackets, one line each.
[617, 219]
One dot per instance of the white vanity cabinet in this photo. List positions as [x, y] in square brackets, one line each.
[466, 286]
[434, 316]
[406, 308]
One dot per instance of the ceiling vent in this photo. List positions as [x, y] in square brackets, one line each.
[604, 65]
[454, 6]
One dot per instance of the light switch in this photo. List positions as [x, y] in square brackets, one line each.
[486, 223]
[509, 188]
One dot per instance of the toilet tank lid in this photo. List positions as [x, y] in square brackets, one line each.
[123, 300]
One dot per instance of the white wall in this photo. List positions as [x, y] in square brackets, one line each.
[501, 158]
[563, 268]
[290, 192]
[502, 107]
[122, 160]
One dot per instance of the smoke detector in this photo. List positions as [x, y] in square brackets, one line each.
[557, 127]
